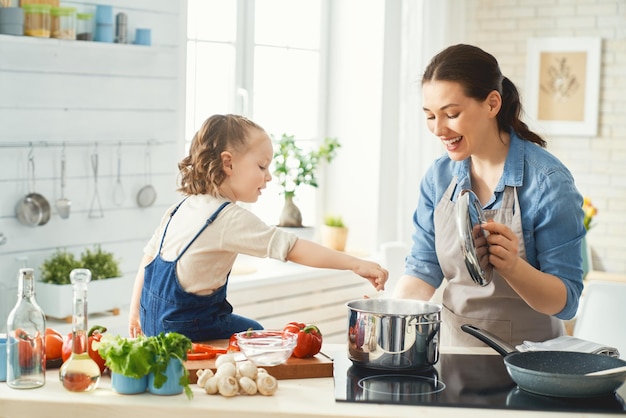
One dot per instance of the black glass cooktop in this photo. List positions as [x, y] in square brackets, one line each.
[457, 380]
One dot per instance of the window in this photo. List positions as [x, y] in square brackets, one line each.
[263, 59]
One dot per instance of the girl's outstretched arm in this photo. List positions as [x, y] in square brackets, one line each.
[310, 254]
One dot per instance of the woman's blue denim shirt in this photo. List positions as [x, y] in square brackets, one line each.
[552, 215]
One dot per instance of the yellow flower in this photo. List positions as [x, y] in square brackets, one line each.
[590, 211]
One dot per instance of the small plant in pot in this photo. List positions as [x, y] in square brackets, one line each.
[334, 233]
[129, 360]
[168, 374]
[293, 167]
[55, 292]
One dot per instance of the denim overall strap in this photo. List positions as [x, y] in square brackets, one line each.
[168, 222]
[207, 223]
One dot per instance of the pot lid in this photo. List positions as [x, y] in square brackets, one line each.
[473, 237]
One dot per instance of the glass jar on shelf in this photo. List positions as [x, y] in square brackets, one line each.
[84, 26]
[63, 22]
[37, 20]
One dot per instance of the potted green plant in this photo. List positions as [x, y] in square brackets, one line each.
[55, 292]
[129, 360]
[168, 374]
[293, 167]
[153, 363]
[334, 233]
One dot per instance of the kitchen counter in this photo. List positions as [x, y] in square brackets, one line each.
[298, 397]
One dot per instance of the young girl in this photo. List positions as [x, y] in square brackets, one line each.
[182, 279]
[535, 237]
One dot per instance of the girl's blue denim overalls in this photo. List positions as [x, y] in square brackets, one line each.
[166, 307]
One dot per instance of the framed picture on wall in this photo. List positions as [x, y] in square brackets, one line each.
[562, 85]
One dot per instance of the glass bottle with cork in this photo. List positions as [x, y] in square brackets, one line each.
[26, 330]
[80, 373]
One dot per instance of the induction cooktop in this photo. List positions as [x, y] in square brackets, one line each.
[457, 380]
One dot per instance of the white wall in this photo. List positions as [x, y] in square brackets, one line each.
[597, 163]
[83, 93]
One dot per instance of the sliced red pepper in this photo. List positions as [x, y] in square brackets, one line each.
[206, 348]
[200, 356]
[233, 344]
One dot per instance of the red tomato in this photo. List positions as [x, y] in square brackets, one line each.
[95, 334]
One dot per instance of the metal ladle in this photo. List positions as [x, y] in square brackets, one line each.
[63, 204]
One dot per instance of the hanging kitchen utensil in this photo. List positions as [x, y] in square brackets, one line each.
[95, 211]
[147, 194]
[33, 209]
[473, 237]
[118, 191]
[555, 373]
[63, 204]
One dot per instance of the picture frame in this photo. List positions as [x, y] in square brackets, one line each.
[563, 85]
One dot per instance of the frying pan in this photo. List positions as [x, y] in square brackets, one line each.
[555, 373]
[473, 238]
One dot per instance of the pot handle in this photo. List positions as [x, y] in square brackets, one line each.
[503, 348]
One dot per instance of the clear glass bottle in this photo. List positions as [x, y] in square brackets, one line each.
[80, 373]
[26, 331]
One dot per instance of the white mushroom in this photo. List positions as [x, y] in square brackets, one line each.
[266, 384]
[210, 386]
[224, 358]
[260, 370]
[227, 386]
[247, 386]
[226, 369]
[247, 369]
[203, 376]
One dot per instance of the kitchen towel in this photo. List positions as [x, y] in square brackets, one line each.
[567, 343]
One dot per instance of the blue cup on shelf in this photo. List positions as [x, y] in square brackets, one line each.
[104, 24]
[143, 37]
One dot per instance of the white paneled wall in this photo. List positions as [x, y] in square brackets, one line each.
[597, 163]
[94, 98]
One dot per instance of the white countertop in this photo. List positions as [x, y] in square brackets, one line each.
[298, 397]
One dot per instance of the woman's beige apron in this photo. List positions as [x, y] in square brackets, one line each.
[496, 307]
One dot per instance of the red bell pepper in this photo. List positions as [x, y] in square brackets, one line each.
[309, 339]
[233, 344]
[94, 334]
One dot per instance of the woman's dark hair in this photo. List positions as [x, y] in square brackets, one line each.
[479, 74]
[201, 171]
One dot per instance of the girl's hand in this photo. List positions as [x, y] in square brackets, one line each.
[373, 272]
[134, 327]
[503, 247]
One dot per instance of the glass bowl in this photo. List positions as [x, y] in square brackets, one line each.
[266, 347]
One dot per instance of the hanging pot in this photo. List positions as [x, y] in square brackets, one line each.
[33, 209]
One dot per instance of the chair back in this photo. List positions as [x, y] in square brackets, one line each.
[601, 314]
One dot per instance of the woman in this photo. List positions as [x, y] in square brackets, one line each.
[536, 220]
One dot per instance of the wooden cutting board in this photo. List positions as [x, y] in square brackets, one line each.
[293, 368]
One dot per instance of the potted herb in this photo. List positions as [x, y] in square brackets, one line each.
[168, 374]
[295, 167]
[55, 292]
[129, 360]
[334, 233]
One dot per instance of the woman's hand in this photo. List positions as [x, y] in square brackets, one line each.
[373, 272]
[134, 326]
[503, 247]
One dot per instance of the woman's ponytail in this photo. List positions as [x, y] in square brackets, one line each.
[509, 115]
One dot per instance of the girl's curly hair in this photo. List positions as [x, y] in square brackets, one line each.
[201, 171]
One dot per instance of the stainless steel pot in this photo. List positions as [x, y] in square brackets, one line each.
[393, 334]
[33, 209]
